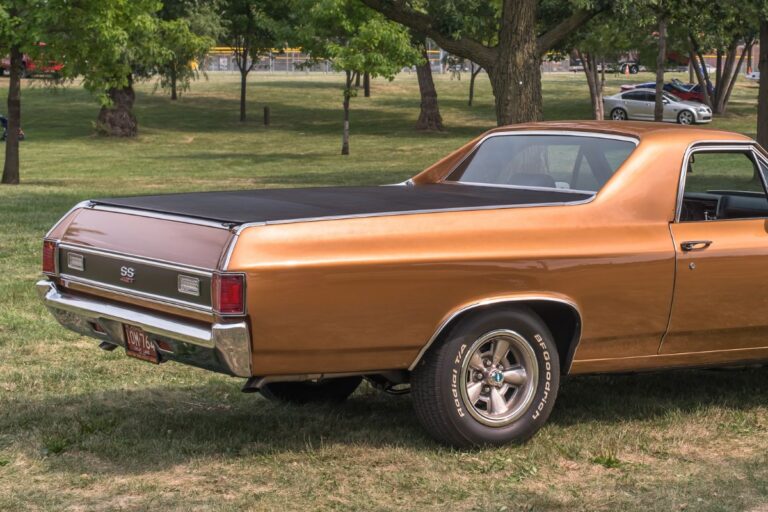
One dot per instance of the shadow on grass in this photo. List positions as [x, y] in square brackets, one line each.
[154, 428]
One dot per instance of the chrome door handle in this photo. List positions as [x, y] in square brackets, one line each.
[695, 245]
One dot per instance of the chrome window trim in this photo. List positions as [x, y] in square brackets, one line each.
[494, 301]
[521, 187]
[161, 216]
[138, 259]
[125, 292]
[567, 133]
[745, 146]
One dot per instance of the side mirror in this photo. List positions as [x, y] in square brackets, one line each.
[665, 101]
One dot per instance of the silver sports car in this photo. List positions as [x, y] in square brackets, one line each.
[639, 104]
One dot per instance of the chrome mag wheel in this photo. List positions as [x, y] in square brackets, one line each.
[499, 377]
[618, 115]
[685, 117]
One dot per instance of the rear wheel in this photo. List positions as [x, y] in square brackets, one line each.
[324, 391]
[619, 114]
[685, 117]
[492, 380]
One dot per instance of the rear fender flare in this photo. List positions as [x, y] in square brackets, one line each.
[566, 352]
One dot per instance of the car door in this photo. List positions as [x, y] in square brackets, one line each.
[632, 103]
[721, 240]
[645, 105]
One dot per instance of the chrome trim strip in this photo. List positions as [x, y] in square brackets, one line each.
[125, 292]
[704, 146]
[231, 342]
[81, 204]
[161, 216]
[247, 225]
[498, 300]
[520, 187]
[138, 259]
[230, 249]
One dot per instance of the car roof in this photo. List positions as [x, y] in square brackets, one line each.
[636, 129]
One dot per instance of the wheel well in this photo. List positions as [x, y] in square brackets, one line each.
[562, 319]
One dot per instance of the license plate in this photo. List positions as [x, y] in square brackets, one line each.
[138, 344]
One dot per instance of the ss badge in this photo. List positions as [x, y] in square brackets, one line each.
[127, 274]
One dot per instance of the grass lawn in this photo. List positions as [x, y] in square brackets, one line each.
[81, 429]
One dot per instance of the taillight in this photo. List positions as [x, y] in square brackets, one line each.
[49, 257]
[228, 294]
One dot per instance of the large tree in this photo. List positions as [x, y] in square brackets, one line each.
[727, 28]
[356, 41]
[110, 44]
[21, 22]
[254, 28]
[190, 28]
[601, 42]
[513, 61]
[429, 110]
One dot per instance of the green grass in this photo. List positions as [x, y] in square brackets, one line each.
[81, 429]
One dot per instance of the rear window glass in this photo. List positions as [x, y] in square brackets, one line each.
[570, 162]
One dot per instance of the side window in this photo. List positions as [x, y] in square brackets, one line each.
[634, 95]
[723, 185]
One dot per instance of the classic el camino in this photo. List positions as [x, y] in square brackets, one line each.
[534, 251]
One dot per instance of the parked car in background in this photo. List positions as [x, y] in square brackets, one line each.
[639, 104]
[30, 67]
[755, 75]
[532, 252]
[684, 91]
[633, 67]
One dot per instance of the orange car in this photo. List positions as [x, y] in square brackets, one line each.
[532, 252]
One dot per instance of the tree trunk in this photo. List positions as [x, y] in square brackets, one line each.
[700, 69]
[243, 84]
[367, 84]
[762, 101]
[700, 79]
[658, 111]
[726, 72]
[516, 74]
[475, 70]
[429, 116]
[357, 79]
[117, 119]
[718, 68]
[347, 97]
[733, 68]
[594, 83]
[11, 167]
[174, 93]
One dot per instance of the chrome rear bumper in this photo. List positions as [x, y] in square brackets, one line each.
[221, 347]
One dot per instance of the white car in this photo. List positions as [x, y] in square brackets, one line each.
[639, 104]
[755, 75]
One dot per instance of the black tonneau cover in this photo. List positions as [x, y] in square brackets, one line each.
[275, 205]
